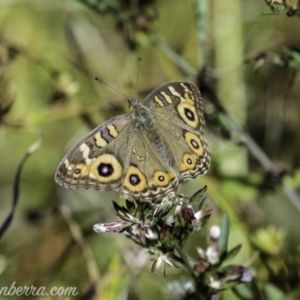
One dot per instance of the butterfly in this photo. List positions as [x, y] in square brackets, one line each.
[144, 154]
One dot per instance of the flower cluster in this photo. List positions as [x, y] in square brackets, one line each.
[163, 229]
[151, 226]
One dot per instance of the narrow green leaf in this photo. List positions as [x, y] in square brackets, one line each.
[199, 195]
[223, 240]
[130, 205]
[231, 254]
[271, 292]
[244, 292]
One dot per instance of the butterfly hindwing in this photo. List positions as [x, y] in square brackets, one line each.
[148, 176]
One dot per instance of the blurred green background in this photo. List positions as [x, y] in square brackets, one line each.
[245, 57]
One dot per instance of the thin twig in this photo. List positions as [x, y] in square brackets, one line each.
[75, 230]
[201, 13]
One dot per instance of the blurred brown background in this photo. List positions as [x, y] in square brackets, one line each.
[246, 59]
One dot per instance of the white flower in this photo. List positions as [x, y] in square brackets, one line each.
[162, 260]
[215, 232]
[151, 235]
[212, 255]
[215, 284]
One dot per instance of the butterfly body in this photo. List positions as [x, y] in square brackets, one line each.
[144, 154]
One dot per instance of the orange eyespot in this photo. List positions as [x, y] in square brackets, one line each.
[194, 143]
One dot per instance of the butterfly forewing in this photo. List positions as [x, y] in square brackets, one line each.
[178, 106]
[101, 152]
[185, 100]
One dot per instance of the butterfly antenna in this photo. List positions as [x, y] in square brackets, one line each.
[97, 79]
[137, 77]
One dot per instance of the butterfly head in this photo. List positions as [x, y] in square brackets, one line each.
[134, 104]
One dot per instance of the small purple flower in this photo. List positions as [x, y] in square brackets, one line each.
[241, 274]
[109, 227]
